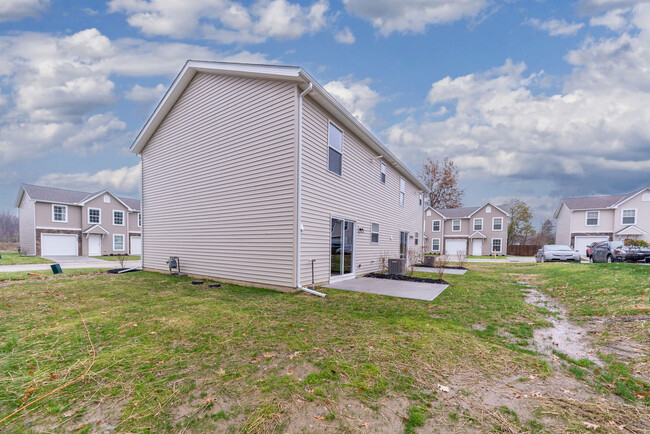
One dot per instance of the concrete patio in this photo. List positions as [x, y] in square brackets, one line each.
[391, 288]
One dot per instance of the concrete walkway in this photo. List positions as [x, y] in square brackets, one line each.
[68, 262]
[391, 288]
[435, 270]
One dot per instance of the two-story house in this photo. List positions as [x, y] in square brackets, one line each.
[256, 174]
[584, 220]
[472, 230]
[60, 222]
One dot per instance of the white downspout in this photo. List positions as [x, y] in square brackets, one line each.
[299, 193]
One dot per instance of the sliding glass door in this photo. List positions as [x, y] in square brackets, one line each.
[342, 247]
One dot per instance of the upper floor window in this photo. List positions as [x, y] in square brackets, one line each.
[374, 232]
[59, 213]
[139, 219]
[497, 223]
[435, 226]
[455, 225]
[118, 218]
[402, 187]
[478, 224]
[94, 215]
[629, 217]
[382, 176]
[592, 218]
[335, 141]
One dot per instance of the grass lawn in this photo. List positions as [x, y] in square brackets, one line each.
[486, 257]
[175, 356]
[14, 258]
[117, 258]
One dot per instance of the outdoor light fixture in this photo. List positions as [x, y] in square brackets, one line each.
[360, 230]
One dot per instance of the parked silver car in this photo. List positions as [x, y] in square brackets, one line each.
[557, 252]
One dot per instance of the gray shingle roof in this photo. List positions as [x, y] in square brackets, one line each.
[594, 202]
[62, 195]
[466, 211]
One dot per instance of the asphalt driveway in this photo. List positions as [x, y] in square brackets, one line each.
[391, 288]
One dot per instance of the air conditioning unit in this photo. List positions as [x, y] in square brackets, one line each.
[396, 266]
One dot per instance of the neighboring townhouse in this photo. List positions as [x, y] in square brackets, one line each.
[255, 173]
[584, 220]
[60, 222]
[472, 230]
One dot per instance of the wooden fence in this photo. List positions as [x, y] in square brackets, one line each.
[527, 250]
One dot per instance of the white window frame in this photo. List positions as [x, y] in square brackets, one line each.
[139, 219]
[438, 240]
[433, 228]
[329, 122]
[474, 223]
[460, 225]
[107, 198]
[493, 220]
[382, 173]
[66, 213]
[623, 218]
[123, 217]
[100, 216]
[587, 218]
[123, 243]
[500, 245]
[402, 191]
[373, 232]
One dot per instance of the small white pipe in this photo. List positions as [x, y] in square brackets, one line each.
[311, 291]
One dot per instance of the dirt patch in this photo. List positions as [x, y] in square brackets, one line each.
[405, 278]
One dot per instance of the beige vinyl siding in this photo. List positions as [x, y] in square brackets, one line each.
[487, 230]
[26, 226]
[465, 227]
[357, 195]
[219, 182]
[563, 226]
[106, 219]
[44, 217]
[642, 214]
[606, 221]
[133, 222]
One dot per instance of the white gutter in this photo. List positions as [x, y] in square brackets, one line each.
[299, 193]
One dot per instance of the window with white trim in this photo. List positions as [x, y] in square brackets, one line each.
[335, 142]
[478, 224]
[382, 176]
[118, 218]
[455, 225]
[435, 244]
[118, 242]
[496, 245]
[60, 213]
[402, 187]
[107, 199]
[628, 217]
[139, 219]
[497, 223]
[94, 216]
[592, 218]
[420, 199]
[374, 232]
[417, 239]
[435, 226]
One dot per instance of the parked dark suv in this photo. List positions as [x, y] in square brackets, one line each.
[615, 251]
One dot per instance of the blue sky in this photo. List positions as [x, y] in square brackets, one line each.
[532, 99]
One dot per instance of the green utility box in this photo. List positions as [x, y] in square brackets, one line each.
[56, 269]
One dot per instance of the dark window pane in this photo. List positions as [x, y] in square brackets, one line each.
[335, 161]
[374, 238]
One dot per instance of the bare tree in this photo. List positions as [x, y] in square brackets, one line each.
[8, 226]
[520, 225]
[440, 266]
[413, 260]
[441, 178]
[383, 261]
[546, 232]
[462, 258]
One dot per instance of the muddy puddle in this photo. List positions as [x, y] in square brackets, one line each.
[564, 336]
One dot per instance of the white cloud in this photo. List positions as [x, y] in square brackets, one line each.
[593, 134]
[614, 19]
[61, 86]
[14, 10]
[357, 97]
[345, 36]
[595, 6]
[122, 180]
[145, 94]
[412, 16]
[224, 21]
[555, 27]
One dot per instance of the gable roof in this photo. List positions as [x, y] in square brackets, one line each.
[596, 202]
[294, 74]
[64, 196]
[468, 211]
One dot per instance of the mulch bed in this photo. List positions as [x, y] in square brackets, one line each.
[406, 278]
[451, 267]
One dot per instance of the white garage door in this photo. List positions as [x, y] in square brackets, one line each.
[581, 243]
[136, 245]
[59, 245]
[453, 247]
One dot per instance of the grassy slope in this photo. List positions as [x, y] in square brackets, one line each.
[171, 355]
[13, 258]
